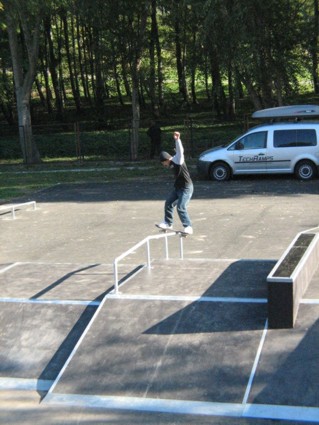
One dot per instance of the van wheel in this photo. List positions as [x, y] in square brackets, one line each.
[305, 170]
[219, 172]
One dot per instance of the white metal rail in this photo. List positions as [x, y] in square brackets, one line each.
[16, 206]
[146, 242]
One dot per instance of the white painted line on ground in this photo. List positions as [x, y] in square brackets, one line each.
[147, 404]
[145, 297]
[68, 360]
[218, 260]
[309, 301]
[45, 263]
[254, 368]
[288, 413]
[25, 384]
[187, 407]
[59, 302]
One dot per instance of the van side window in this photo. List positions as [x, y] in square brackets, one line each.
[256, 140]
[294, 138]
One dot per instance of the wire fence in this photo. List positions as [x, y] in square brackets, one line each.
[95, 141]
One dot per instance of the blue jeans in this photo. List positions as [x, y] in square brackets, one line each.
[179, 198]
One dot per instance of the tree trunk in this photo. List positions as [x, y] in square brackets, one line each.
[76, 95]
[218, 95]
[135, 74]
[46, 99]
[160, 77]
[24, 80]
[52, 65]
[152, 83]
[193, 67]
[255, 98]
[40, 93]
[314, 48]
[82, 60]
[125, 77]
[29, 149]
[179, 59]
[99, 87]
[231, 98]
[156, 75]
[7, 98]
[135, 119]
[116, 77]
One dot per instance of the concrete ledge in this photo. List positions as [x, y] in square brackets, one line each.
[289, 279]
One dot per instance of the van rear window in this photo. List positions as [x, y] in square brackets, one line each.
[294, 138]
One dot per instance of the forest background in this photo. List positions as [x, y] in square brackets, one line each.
[84, 78]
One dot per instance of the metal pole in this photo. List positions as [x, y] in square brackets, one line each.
[166, 247]
[134, 248]
[181, 250]
[116, 279]
[148, 254]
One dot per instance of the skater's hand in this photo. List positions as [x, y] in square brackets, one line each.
[177, 135]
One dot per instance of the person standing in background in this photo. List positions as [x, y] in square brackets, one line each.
[155, 134]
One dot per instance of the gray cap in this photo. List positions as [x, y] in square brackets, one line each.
[164, 156]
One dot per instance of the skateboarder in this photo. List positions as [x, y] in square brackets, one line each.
[183, 188]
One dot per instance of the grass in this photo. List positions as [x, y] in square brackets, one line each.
[106, 152]
[106, 157]
[19, 181]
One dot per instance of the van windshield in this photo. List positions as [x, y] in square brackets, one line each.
[256, 140]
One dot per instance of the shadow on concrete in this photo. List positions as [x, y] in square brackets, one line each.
[295, 375]
[52, 369]
[61, 355]
[60, 281]
[244, 279]
[148, 189]
[203, 317]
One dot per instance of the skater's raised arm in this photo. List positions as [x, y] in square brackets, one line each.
[178, 158]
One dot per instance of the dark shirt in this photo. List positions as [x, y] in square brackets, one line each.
[154, 133]
[182, 176]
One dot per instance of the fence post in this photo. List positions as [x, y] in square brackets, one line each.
[78, 146]
[188, 124]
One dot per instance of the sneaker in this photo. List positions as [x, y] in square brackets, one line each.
[188, 230]
[165, 226]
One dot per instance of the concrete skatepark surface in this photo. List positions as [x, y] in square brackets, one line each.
[186, 340]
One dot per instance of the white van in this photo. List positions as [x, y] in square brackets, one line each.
[279, 147]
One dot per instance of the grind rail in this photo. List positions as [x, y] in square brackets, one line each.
[14, 207]
[146, 242]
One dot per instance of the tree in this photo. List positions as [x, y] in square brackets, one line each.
[314, 45]
[310, 42]
[127, 23]
[147, 49]
[6, 83]
[136, 60]
[23, 24]
[52, 66]
[155, 90]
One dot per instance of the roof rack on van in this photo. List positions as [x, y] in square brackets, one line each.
[293, 111]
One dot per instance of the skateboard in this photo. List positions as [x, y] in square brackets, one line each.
[177, 232]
